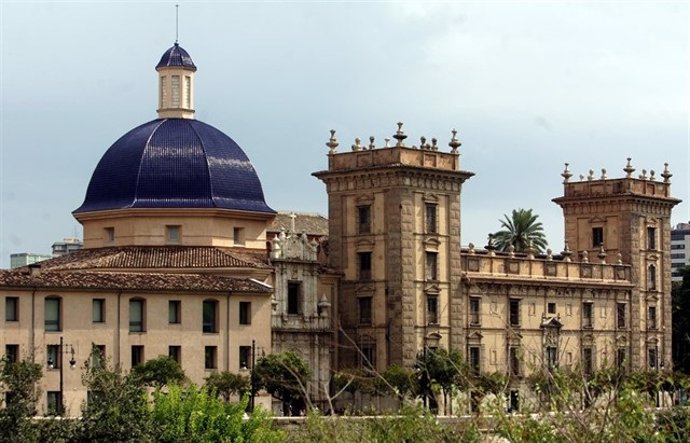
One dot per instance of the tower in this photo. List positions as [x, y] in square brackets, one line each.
[629, 217]
[394, 233]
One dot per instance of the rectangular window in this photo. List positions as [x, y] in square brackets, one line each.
[587, 315]
[187, 92]
[621, 315]
[587, 361]
[364, 219]
[651, 278]
[475, 360]
[172, 234]
[175, 91]
[364, 310]
[175, 352]
[364, 260]
[53, 403]
[652, 358]
[551, 357]
[475, 311]
[245, 313]
[432, 310]
[137, 355]
[109, 234]
[294, 297]
[651, 238]
[431, 266]
[52, 314]
[621, 357]
[210, 357]
[651, 317]
[11, 308]
[98, 310]
[12, 353]
[514, 361]
[98, 356]
[245, 357]
[551, 308]
[210, 316]
[368, 356]
[174, 311]
[53, 356]
[597, 237]
[514, 317]
[431, 222]
[136, 315]
[238, 236]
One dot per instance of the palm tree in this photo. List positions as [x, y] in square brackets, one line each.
[521, 231]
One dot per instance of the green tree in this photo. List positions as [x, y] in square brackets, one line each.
[447, 369]
[284, 375]
[116, 409]
[158, 372]
[521, 230]
[19, 380]
[398, 380]
[195, 415]
[227, 384]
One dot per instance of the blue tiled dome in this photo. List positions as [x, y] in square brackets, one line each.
[176, 56]
[174, 163]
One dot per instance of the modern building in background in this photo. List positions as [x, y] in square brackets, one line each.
[66, 246]
[26, 258]
[183, 257]
[680, 250]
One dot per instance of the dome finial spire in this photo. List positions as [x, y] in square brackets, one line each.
[177, 23]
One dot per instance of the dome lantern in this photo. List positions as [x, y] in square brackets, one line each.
[176, 84]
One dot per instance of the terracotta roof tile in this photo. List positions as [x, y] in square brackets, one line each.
[162, 257]
[21, 277]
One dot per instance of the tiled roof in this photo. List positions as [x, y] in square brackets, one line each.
[174, 163]
[311, 224]
[21, 278]
[176, 56]
[158, 257]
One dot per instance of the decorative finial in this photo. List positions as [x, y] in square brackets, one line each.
[549, 255]
[585, 256]
[400, 136]
[628, 169]
[357, 146]
[602, 253]
[603, 174]
[434, 144]
[422, 142]
[454, 142]
[511, 251]
[651, 175]
[387, 140]
[471, 250]
[566, 174]
[371, 142]
[619, 259]
[490, 245]
[530, 251]
[332, 142]
[566, 253]
[590, 177]
[666, 174]
[643, 176]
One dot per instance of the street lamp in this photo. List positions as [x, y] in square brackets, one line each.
[62, 349]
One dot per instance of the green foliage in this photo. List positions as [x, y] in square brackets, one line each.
[447, 369]
[195, 415]
[284, 375]
[397, 380]
[493, 383]
[227, 384]
[117, 408]
[355, 380]
[19, 380]
[521, 230]
[159, 372]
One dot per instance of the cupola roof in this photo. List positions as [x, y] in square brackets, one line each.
[176, 56]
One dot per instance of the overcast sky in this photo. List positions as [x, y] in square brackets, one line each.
[529, 86]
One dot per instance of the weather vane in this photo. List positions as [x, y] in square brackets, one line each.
[177, 23]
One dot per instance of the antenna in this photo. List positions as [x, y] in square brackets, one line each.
[177, 23]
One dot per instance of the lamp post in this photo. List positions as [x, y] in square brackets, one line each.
[62, 349]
